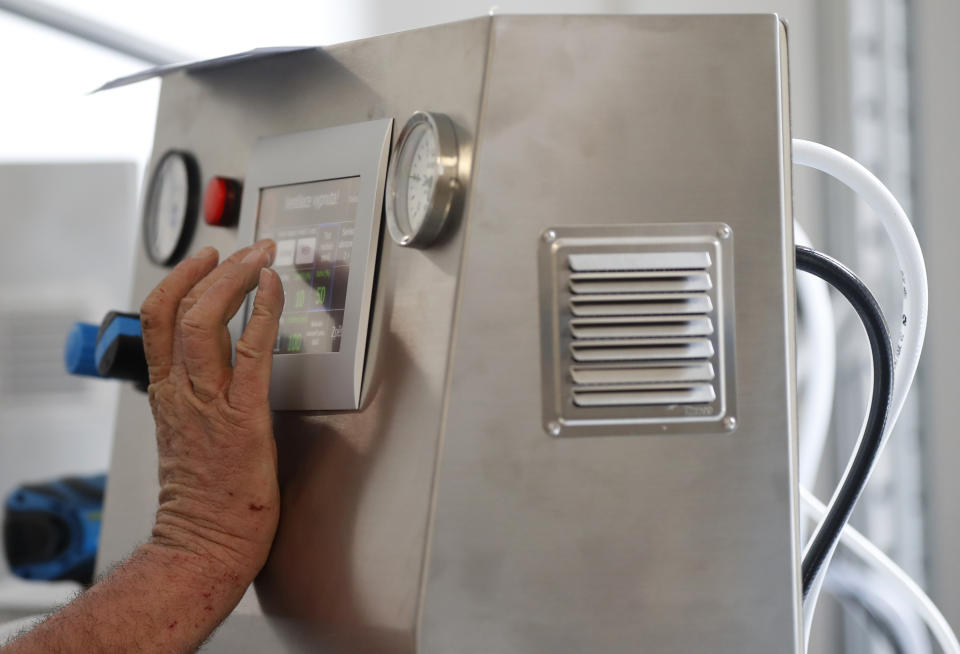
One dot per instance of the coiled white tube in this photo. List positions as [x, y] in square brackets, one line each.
[870, 554]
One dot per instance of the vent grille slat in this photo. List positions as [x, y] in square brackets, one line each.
[607, 283]
[640, 327]
[634, 261]
[696, 394]
[695, 372]
[640, 304]
[632, 274]
[640, 350]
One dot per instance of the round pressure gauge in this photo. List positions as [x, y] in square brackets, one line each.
[423, 182]
[171, 208]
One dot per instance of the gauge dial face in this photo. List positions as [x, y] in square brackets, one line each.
[423, 180]
[169, 208]
[421, 175]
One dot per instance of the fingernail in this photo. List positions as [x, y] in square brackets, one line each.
[253, 256]
[267, 245]
[203, 253]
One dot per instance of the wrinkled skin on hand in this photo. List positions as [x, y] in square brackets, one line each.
[217, 455]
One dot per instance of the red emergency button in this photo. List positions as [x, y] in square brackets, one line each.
[221, 202]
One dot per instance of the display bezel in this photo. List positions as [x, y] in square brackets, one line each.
[328, 380]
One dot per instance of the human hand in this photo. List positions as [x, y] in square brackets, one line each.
[219, 501]
[217, 455]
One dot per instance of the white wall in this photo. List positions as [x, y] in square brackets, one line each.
[68, 229]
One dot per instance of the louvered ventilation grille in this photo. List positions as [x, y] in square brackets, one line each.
[641, 329]
[636, 331]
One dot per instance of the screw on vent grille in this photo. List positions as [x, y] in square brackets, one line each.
[634, 325]
[650, 313]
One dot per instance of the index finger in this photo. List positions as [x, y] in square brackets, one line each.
[203, 336]
[158, 313]
[228, 266]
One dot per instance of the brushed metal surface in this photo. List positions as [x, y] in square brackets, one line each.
[440, 517]
[678, 543]
[346, 567]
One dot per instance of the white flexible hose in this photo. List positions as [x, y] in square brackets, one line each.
[913, 321]
[883, 599]
[816, 404]
[815, 410]
[870, 554]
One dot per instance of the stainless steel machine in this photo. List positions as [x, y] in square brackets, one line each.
[535, 378]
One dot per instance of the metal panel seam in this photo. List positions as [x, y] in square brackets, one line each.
[451, 348]
[786, 203]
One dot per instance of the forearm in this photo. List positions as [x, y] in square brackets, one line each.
[219, 499]
[160, 600]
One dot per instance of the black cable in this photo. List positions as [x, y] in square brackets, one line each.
[859, 296]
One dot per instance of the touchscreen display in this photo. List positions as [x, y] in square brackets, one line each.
[313, 225]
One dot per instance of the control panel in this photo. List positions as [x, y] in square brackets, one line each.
[314, 225]
[319, 195]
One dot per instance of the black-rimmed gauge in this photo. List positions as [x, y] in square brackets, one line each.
[171, 208]
[423, 181]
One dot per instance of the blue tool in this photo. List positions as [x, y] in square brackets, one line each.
[51, 530]
[114, 349]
